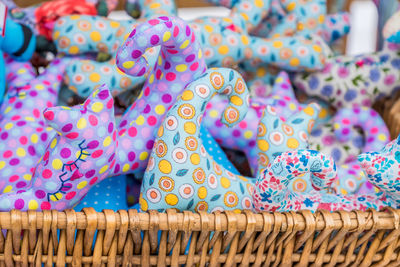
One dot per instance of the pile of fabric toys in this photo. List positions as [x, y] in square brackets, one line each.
[249, 111]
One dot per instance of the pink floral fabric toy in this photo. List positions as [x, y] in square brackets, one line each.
[382, 168]
[273, 194]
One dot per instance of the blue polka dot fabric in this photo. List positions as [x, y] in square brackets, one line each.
[109, 194]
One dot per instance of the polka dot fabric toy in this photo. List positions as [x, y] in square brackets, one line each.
[65, 174]
[376, 132]
[272, 192]
[180, 61]
[306, 18]
[84, 152]
[24, 134]
[375, 136]
[181, 174]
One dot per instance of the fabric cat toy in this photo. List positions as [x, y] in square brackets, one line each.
[180, 173]
[382, 168]
[24, 134]
[293, 18]
[85, 150]
[82, 154]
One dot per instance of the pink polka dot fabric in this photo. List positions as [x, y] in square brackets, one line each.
[179, 62]
[64, 174]
[24, 134]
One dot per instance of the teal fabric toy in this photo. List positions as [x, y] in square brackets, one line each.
[226, 42]
[382, 168]
[19, 42]
[83, 35]
[391, 30]
[306, 18]
[291, 19]
[181, 173]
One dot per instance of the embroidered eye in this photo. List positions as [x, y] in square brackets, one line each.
[66, 177]
[82, 154]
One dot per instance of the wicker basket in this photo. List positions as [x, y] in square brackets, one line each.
[267, 239]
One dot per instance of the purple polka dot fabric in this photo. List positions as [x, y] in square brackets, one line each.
[24, 134]
[165, 82]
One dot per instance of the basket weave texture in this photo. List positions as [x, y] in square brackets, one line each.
[129, 238]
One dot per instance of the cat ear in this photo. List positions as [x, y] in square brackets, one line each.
[71, 121]
[282, 95]
[99, 100]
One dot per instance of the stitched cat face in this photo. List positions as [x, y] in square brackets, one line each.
[84, 132]
[24, 134]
